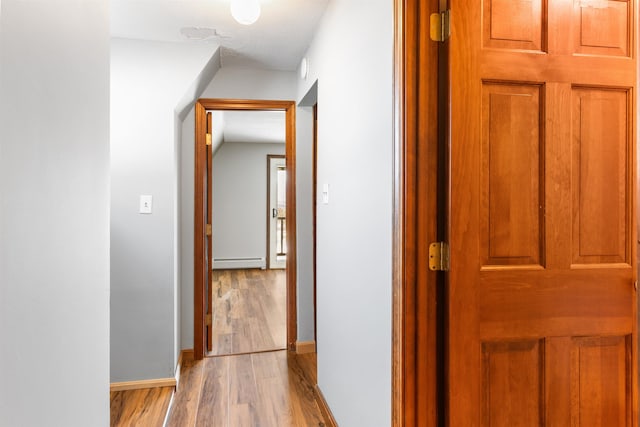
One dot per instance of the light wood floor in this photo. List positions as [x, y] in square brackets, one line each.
[248, 311]
[268, 389]
[146, 407]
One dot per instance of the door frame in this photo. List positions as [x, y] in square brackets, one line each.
[269, 158]
[200, 267]
[415, 397]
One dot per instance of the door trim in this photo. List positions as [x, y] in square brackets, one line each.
[269, 157]
[200, 273]
[414, 385]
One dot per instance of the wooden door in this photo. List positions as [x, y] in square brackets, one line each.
[541, 316]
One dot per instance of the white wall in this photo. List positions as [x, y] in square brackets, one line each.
[240, 199]
[54, 226]
[229, 83]
[352, 60]
[151, 84]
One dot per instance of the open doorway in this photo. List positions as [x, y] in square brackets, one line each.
[209, 279]
[276, 212]
[248, 296]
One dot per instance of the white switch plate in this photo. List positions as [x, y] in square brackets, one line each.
[146, 204]
[325, 194]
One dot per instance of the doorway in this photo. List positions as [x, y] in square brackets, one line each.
[203, 274]
[276, 212]
[248, 299]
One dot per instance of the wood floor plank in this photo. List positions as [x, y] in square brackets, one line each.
[267, 365]
[186, 399]
[249, 311]
[222, 344]
[302, 395]
[144, 407]
[242, 385]
[274, 406]
[213, 407]
[309, 366]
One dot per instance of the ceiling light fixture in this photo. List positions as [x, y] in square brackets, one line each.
[246, 12]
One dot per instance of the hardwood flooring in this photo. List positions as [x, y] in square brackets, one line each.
[248, 311]
[250, 382]
[268, 389]
[145, 407]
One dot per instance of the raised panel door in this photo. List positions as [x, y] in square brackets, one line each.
[541, 303]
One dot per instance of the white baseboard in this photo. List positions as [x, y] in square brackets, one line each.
[238, 263]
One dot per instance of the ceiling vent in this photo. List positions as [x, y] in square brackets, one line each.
[200, 33]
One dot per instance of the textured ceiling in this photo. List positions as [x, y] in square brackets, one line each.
[276, 41]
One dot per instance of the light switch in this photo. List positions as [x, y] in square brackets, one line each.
[146, 203]
[325, 194]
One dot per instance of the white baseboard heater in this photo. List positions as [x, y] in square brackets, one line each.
[231, 263]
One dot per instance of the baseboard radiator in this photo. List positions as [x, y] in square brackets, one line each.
[231, 263]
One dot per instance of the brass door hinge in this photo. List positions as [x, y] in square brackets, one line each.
[209, 230]
[208, 139]
[440, 26]
[208, 320]
[439, 256]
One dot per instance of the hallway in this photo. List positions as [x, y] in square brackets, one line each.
[248, 380]
[262, 389]
[270, 389]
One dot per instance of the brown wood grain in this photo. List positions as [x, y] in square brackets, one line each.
[185, 402]
[249, 311]
[415, 373]
[212, 406]
[292, 257]
[142, 384]
[200, 268]
[542, 323]
[209, 238]
[560, 47]
[325, 409]
[143, 407]
[268, 389]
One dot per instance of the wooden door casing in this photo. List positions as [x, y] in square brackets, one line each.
[542, 325]
[415, 353]
[202, 273]
[209, 260]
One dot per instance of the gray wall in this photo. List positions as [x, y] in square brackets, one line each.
[150, 84]
[240, 199]
[304, 212]
[230, 83]
[54, 226]
[352, 60]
